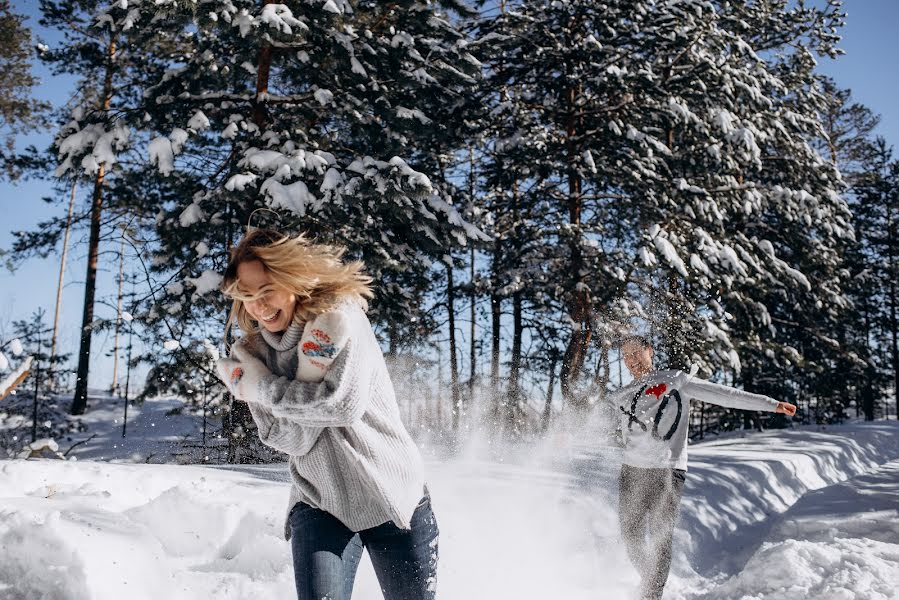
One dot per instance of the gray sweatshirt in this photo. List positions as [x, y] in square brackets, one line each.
[655, 415]
[350, 454]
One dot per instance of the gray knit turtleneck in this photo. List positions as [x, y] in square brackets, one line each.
[350, 454]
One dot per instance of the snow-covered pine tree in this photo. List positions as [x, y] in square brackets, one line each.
[95, 130]
[860, 370]
[540, 59]
[19, 111]
[876, 213]
[656, 139]
[324, 112]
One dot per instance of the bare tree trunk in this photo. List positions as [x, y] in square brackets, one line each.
[439, 388]
[391, 338]
[513, 398]
[118, 317]
[473, 333]
[579, 309]
[548, 407]
[454, 364]
[79, 402]
[62, 271]
[701, 420]
[239, 416]
[603, 373]
[473, 292]
[495, 332]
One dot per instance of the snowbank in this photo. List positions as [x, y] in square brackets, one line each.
[839, 542]
[537, 524]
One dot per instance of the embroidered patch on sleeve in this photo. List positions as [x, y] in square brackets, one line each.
[319, 346]
[236, 375]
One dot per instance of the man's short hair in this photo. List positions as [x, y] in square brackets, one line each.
[639, 340]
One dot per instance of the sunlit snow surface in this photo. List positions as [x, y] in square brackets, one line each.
[515, 523]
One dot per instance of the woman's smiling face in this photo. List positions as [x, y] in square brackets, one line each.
[275, 308]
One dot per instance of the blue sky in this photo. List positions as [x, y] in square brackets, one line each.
[869, 68]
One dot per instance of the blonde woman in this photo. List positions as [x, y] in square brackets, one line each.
[312, 372]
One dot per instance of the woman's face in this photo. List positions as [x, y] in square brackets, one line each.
[274, 310]
[637, 358]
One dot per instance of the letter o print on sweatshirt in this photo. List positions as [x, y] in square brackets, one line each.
[661, 411]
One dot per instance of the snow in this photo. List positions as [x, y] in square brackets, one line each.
[240, 181]
[4, 362]
[199, 121]
[191, 215]
[323, 96]
[772, 515]
[230, 132]
[668, 251]
[356, 66]
[412, 113]
[841, 541]
[7, 382]
[294, 197]
[15, 346]
[161, 154]
[331, 7]
[207, 282]
[171, 345]
[281, 18]
[94, 144]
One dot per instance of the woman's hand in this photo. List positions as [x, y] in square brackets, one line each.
[785, 408]
[242, 373]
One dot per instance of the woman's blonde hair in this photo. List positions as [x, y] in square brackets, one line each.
[314, 273]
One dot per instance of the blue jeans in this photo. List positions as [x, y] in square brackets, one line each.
[326, 554]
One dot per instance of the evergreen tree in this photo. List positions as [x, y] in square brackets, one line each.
[654, 139]
[877, 223]
[323, 112]
[19, 112]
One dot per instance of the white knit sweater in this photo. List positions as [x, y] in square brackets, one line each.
[330, 405]
[655, 415]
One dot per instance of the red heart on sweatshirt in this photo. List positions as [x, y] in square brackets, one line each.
[657, 390]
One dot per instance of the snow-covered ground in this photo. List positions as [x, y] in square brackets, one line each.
[804, 513]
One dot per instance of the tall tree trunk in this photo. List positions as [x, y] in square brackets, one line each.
[579, 296]
[239, 417]
[603, 373]
[454, 364]
[495, 332]
[674, 325]
[79, 402]
[894, 330]
[550, 390]
[118, 317]
[392, 337]
[62, 272]
[513, 398]
[473, 332]
[473, 291]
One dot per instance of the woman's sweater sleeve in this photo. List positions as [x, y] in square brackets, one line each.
[338, 400]
[728, 397]
[281, 434]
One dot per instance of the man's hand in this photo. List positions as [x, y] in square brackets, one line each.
[785, 408]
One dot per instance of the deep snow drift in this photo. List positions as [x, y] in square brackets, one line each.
[537, 523]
